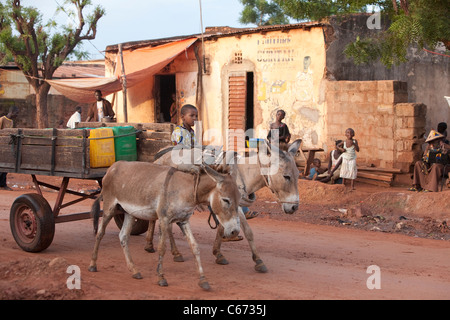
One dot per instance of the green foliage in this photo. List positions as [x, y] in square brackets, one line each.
[262, 12]
[316, 10]
[424, 24]
[44, 47]
[39, 49]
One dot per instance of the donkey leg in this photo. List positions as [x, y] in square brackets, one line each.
[177, 257]
[203, 283]
[103, 223]
[149, 238]
[163, 225]
[260, 266]
[220, 259]
[124, 236]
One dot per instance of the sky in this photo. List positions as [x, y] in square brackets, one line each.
[133, 20]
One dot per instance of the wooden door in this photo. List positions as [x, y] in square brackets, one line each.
[237, 94]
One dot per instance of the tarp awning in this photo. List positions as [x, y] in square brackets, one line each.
[140, 64]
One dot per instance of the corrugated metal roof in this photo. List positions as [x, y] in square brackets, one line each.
[215, 32]
[79, 70]
[73, 69]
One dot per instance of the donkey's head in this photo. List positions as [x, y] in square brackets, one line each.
[224, 201]
[281, 175]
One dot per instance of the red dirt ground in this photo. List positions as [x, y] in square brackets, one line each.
[323, 251]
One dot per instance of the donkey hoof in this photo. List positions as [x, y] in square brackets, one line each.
[92, 269]
[220, 259]
[150, 249]
[203, 283]
[163, 283]
[178, 258]
[137, 276]
[261, 267]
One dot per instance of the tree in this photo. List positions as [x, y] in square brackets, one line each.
[261, 13]
[316, 10]
[37, 49]
[420, 23]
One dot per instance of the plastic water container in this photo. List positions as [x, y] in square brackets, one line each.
[101, 151]
[125, 147]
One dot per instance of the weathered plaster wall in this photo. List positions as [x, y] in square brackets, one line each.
[288, 70]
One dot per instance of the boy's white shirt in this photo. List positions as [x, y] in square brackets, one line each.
[76, 117]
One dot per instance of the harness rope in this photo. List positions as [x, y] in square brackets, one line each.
[266, 181]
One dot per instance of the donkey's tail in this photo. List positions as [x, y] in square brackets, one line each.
[95, 212]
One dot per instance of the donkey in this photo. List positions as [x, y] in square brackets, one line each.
[279, 173]
[149, 191]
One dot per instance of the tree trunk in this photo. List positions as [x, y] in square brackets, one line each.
[41, 105]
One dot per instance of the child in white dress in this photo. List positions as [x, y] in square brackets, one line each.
[349, 148]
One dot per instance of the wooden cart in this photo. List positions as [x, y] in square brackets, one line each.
[62, 153]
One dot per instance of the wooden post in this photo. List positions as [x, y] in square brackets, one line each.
[199, 93]
[124, 85]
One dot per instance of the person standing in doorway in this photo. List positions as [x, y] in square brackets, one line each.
[7, 122]
[101, 109]
[174, 110]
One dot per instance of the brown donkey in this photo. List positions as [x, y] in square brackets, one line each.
[148, 191]
[272, 168]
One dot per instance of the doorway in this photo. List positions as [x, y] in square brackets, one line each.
[249, 104]
[240, 109]
[166, 86]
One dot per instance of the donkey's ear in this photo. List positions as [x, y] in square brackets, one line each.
[213, 174]
[295, 146]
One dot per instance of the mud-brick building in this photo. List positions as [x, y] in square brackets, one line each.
[239, 78]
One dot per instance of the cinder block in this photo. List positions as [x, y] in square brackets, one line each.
[400, 87]
[385, 108]
[415, 122]
[385, 132]
[386, 163]
[407, 145]
[403, 166]
[410, 109]
[371, 96]
[386, 155]
[352, 86]
[368, 86]
[406, 156]
[400, 97]
[387, 144]
[356, 97]
[387, 120]
[385, 85]
[405, 133]
[400, 122]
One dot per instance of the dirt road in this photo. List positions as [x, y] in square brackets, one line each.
[327, 250]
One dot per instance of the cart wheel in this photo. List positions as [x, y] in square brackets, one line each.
[32, 222]
[139, 227]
